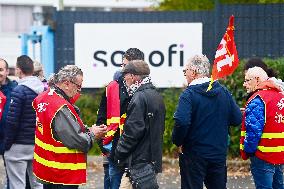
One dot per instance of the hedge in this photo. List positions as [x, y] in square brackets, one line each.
[89, 103]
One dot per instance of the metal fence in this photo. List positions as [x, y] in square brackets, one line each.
[259, 28]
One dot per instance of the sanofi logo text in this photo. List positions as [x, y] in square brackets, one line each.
[156, 57]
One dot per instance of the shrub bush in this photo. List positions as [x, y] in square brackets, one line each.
[171, 97]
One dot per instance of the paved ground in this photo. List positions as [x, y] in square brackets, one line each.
[238, 175]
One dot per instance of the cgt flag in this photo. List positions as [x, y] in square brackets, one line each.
[226, 57]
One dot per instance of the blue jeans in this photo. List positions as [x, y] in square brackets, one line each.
[115, 175]
[266, 175]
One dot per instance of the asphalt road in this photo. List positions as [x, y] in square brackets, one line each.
[169, 179]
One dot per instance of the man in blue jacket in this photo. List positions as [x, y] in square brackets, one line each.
[20, 126]
[202, 121]
[6, 87]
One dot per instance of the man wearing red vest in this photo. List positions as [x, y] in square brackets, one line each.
[61, 139]
[262, 133]
[112, 112]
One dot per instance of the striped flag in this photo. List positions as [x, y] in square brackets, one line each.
[226, 57]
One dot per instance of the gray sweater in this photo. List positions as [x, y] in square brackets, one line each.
[67, 130]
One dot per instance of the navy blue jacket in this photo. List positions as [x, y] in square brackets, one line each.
[202, 121]
[21, 118]
[6, 90]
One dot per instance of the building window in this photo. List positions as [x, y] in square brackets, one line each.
[16, 19]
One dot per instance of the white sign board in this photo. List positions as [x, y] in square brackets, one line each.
[167, 47]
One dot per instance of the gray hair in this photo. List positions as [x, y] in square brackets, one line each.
[67, 73]
[201, 64]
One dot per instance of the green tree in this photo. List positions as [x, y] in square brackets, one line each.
[250, 1]
[183, 5]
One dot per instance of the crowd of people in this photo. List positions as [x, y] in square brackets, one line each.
[44, 142]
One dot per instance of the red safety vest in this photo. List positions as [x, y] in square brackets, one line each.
[271, 144]
[53, 162]
[114, 120]
[2, 103]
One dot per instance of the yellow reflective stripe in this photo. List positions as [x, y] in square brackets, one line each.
[267, 135]
[58, 150]
[110, 133]
[267, 149]
[58, 165]
[272, 135]
[271, 149]
[113, 120]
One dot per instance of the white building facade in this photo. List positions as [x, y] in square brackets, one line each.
[16, 17]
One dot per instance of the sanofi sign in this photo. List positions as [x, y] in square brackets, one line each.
[167, 46]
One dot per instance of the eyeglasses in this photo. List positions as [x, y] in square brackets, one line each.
[247, 80]
[77, 85]
[185, 70]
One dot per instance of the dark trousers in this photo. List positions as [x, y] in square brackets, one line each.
[195, 170]
[59, 186]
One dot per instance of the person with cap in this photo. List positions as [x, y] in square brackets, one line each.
[136, 145]
[112, 112]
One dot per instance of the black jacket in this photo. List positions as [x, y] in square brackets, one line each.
[102, 112]
[135, 139]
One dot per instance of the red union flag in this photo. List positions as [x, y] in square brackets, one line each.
[226, 57]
